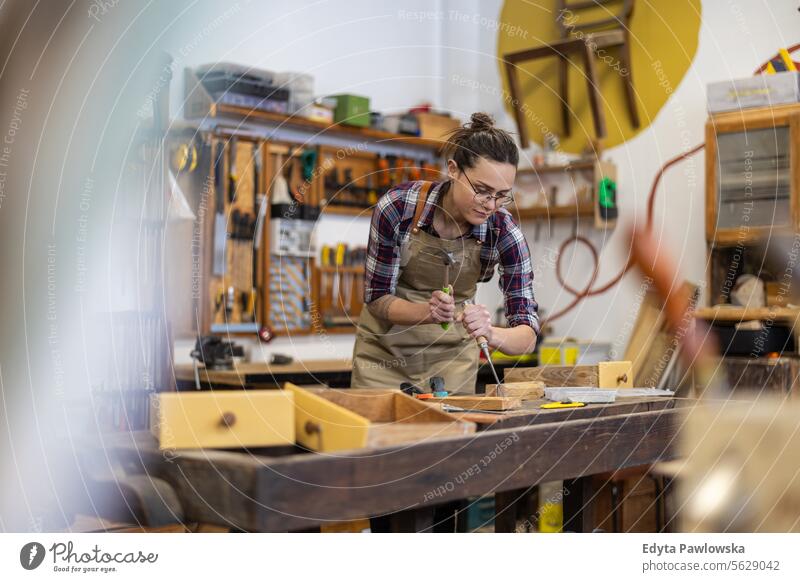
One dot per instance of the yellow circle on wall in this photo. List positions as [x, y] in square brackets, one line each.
[663, 42]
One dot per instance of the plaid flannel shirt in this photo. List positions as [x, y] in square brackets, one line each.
[507, 248]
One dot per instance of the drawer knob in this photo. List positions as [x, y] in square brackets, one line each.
[228, 419]
[622, 379]
[312, 427]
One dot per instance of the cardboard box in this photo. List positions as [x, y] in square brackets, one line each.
[433, 126]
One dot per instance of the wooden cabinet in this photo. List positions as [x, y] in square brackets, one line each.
[752, 174]
[752, 200]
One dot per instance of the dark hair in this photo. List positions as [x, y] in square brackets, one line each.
[481, 139]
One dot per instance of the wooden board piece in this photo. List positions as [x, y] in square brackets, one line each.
[615, 375]
[532, 390]
[480, 402]
[189, 420]
[555, 375]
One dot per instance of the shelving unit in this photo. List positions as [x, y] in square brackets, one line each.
[281, 138]
[752, 195]
[584, 204]
[199, 105]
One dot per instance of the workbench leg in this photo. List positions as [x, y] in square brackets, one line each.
[578, 508]
[408, 521]
[510, 505]
[450, 517]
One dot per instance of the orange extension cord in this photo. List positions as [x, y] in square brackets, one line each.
[588, 291]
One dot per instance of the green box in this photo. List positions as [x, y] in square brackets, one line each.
[351, 110]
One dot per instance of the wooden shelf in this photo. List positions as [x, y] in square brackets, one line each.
[576, 167]
[200, 105]
[737, 314]
[342, 269]
[346, 210]
[582, 210]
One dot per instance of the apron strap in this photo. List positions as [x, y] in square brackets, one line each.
[421, 200]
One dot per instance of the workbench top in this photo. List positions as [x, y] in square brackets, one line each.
[258, 373]
[288, 489]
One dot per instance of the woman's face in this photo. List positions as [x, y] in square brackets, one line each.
[487, 177]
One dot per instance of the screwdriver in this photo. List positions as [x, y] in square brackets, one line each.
[483, 344]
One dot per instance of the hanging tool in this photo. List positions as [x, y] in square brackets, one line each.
[449, 261]
[341, 248]
[220, 226]
[309, 161]
[232, 175]
[484, 345]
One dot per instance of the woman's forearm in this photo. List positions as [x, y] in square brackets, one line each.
[399, 311]
[513, 341]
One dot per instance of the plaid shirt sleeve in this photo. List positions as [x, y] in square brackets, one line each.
[382, 268]
[510, 251]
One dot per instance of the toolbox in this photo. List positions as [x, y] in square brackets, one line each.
[333, 420]
[352, 110]
[222, 419]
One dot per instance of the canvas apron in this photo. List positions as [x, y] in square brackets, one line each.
[385, 355]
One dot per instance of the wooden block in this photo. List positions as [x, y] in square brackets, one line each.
[480, 402]
[533, 390]
[223, 419]
[602, 375]
[615, 375]
[555, 375]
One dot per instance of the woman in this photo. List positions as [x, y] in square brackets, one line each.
[411, 330]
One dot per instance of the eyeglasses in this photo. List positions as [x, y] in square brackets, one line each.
[500, 200]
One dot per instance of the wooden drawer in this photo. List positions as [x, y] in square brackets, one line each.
[334, 420]
[230, 418]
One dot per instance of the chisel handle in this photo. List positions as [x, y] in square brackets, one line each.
[448, 289]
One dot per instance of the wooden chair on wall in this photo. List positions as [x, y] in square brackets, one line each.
[583, 39]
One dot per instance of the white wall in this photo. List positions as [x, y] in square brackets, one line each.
[736, 37]
[401, 56]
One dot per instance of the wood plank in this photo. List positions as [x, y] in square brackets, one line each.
[480, 402]
[286, 485]
[555, 375]
[242, 372]
[737, 314]
[533, 390]
[537, 212]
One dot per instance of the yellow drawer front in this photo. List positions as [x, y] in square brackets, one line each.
[234, 418]
[615, 375]
[321, 425]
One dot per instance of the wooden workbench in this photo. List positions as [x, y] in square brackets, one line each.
[334, 373]
[291, 490]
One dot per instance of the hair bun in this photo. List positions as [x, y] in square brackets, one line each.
[481, 122]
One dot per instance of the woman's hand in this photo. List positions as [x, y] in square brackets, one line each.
[442, 307]
[477, 321]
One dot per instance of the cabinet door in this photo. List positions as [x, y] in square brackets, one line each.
[753, 179]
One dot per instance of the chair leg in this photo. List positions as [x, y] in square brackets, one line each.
[630, 94]
[594, 93]
[563, 92]
[516, 102]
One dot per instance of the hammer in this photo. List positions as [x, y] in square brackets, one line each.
[449, 260]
